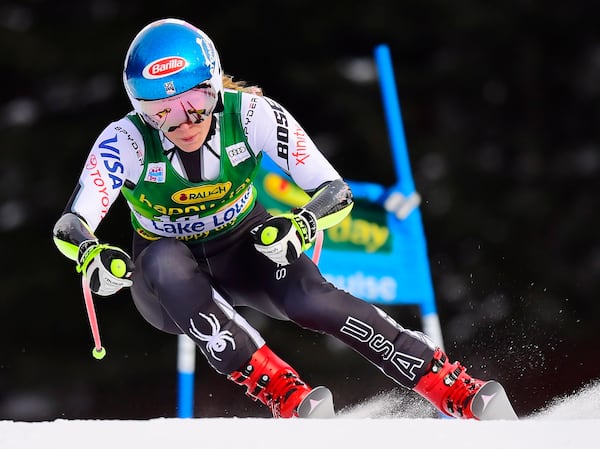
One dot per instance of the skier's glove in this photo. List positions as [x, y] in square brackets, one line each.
[284, 237]
[107, 268]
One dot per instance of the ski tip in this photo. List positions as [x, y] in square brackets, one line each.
[491, 403]
[317, 404]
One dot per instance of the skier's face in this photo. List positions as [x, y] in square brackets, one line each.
[190, 136]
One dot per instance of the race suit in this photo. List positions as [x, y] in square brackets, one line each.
[192, 246]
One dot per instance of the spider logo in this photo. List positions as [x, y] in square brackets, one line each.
[217, 341]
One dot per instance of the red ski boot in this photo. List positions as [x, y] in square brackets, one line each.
[449, 387]
[278, 386]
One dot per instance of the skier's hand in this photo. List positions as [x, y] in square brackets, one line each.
[107, 268]
[284, 237]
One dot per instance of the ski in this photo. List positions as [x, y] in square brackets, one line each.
[491, 402]
[317, 404]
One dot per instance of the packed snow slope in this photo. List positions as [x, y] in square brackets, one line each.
[382, 422]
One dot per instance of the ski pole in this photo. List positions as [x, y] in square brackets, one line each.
[318, 246]
[98, 352]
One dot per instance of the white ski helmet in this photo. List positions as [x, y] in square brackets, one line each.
[167, 59]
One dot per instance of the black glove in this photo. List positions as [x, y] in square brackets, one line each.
[107, 268]
[284, 237]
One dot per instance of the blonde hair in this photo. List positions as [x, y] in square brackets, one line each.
[229, 83]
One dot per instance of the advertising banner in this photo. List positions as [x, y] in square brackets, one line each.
[372, 254]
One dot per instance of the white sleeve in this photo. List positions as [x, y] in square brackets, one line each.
[116, 156]
[272, 129]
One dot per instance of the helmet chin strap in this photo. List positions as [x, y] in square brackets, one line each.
[219, 106]
[212, 130]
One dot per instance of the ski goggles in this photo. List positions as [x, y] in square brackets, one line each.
[194, 106]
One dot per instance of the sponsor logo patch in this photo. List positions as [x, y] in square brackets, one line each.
[164, 67]
[237, 153]
[200, 194]
[170, 88]
[156, 172]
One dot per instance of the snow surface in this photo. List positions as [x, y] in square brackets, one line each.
[569, 422]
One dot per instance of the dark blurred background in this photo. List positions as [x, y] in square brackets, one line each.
[501, 105]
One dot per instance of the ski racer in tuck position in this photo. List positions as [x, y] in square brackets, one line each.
[185, 159]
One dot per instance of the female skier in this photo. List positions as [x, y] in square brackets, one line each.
[185, 159]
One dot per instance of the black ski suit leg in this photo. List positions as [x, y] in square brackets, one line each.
[313, 303]
[174, 295]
